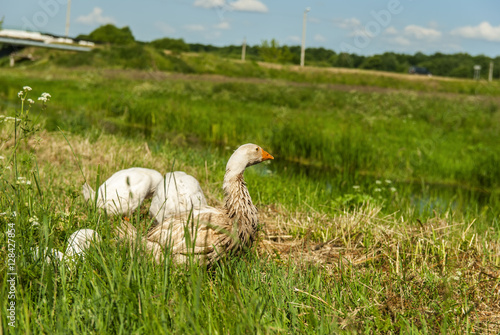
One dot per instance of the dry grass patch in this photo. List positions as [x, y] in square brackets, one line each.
[416, 264]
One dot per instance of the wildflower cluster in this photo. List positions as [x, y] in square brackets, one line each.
[23, 118]
[380, 192]
[24, 126]
[45, 97]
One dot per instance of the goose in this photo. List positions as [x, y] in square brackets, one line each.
[125, 190]
[178, 192]
[80, 241]
[207, 233]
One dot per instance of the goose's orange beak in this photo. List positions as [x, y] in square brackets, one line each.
[266, 155]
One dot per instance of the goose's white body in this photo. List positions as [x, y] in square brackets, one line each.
[207, 233]
[80, 241]
[178, 192]
[125, 190]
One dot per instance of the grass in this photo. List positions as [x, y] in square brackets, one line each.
[339, 251]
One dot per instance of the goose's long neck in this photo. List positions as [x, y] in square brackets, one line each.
[239, 206]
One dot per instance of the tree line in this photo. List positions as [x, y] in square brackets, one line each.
[451, 65]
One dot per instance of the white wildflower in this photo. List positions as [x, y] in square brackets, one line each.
[46, 95]
[2, 157]
[31, 101]
[2, 116]
[356, 187]
[388, 181]
[33, 219]
[27, 88]
[393, 189]
[20, 94]
[378, 190]
[10, 118]
[378, 182]
[22, 180]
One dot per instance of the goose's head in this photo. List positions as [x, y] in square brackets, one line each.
[246, 155]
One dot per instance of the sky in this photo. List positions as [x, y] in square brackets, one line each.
[365, 27]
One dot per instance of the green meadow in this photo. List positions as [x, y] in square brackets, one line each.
[379, 214]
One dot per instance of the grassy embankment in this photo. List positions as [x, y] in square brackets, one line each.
[333, 256]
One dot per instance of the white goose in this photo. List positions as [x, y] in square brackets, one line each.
[178, 192]
[125, 190]
[80, 241]
[209, 233]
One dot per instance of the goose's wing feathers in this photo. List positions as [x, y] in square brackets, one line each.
[125, 190]
[80, 241]
[198, 233]
[177, 193]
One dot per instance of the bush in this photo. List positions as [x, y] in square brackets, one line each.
[110, 34]
[177, 45]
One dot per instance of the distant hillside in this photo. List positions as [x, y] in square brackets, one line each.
[121, 49]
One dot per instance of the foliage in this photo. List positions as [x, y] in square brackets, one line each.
[110, 34]
[450, 65]
[270, 51]
[172, 44]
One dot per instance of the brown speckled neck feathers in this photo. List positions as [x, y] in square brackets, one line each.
[240, 209]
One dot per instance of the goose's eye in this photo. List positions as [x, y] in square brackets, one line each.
[256, 149]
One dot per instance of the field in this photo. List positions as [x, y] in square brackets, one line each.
[379, 214]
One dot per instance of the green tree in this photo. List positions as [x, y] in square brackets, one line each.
[372, 63]
[110, 34]
[273, 53]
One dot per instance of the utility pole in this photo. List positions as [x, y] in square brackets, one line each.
[68, 14]
[477, 72]
[490, 75]
[244, 49]
[303, 48]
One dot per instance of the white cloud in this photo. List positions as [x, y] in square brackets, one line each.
[95, 17]
[249, 6]
[319, 38]
[391, 31]
[361, 32]
[400, 40]
[165, 28]
[483, 31]
[294, 39]
[209, 3]
[422, 33]
[194, 27]
[238, 5]
[222, 25]
[351, 23]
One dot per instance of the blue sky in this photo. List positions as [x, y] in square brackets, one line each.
[362, 26]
